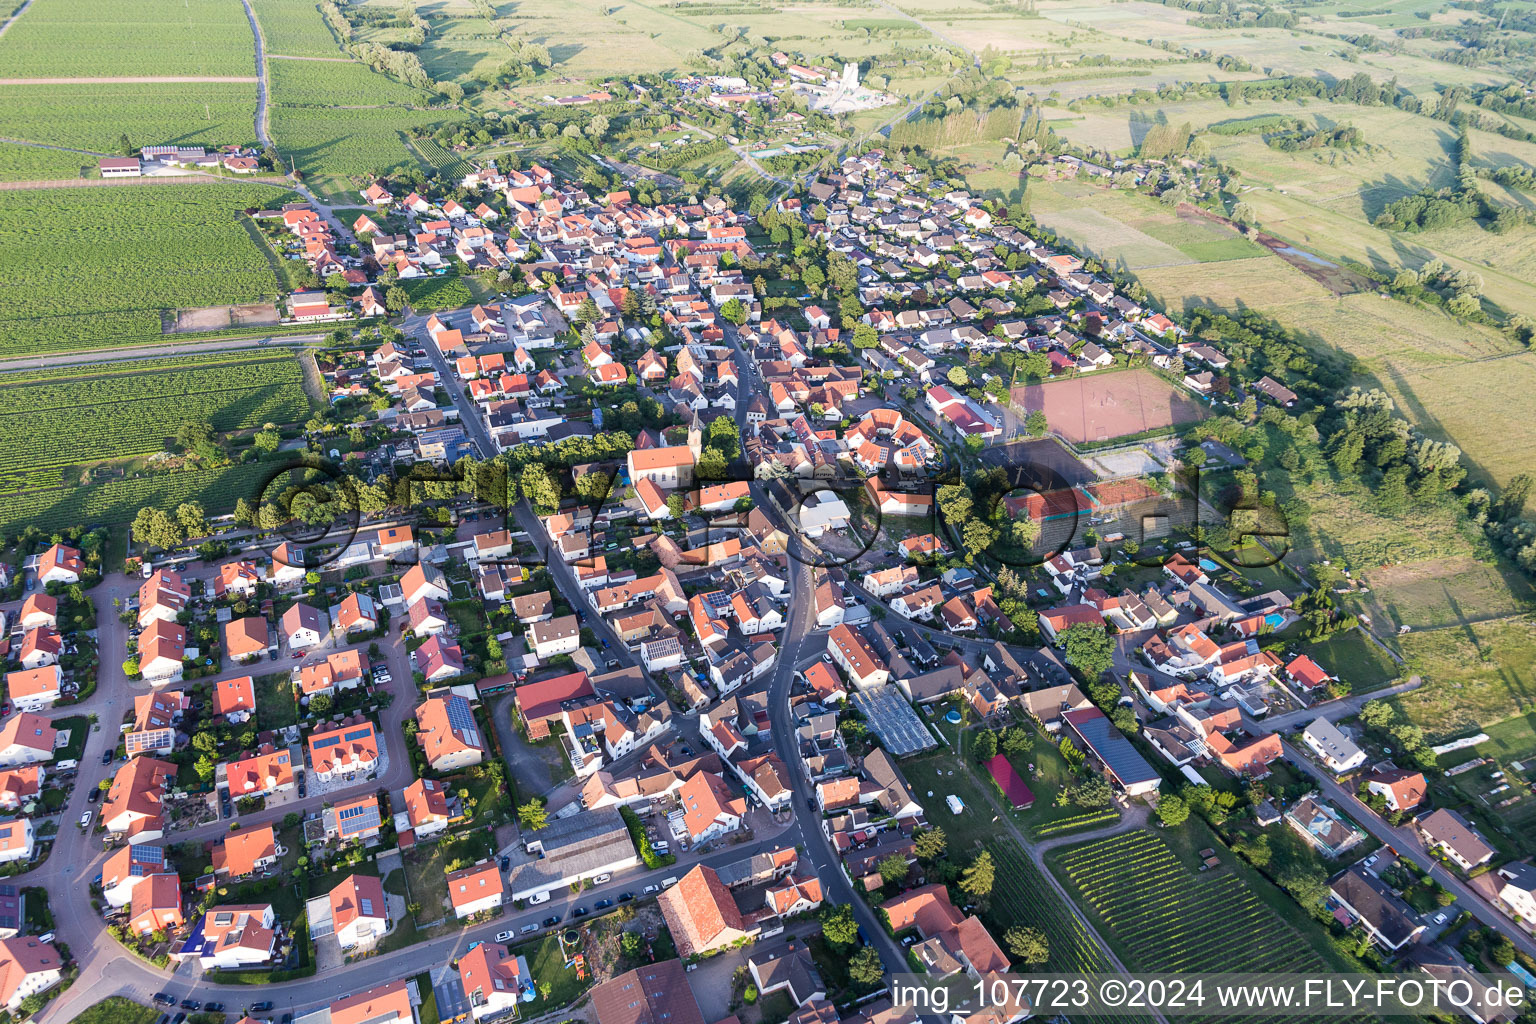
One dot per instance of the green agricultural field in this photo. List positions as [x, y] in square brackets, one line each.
[85, 269]
[108, 498]
[104, 38]
[294, 28]
[331, 84]
[1161, 917]
[334, 153]
[27, 163]
[95, 119]
[114, 410]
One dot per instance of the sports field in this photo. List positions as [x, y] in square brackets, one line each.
[1101, 406]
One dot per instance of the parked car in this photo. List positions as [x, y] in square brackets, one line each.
[265, 1004]
[95, 795]
[106, 758]
[504, 936]
[625, 897]
[527, 928]
[165, 999]
[579, 912]
[214, 1007]
[190, 1004]
[650, 889]
[603, 904]
[85, 820]
[551, 921]
[600, 879]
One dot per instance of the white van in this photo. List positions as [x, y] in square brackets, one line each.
[667, 883]
[539, 897]
[600, 879]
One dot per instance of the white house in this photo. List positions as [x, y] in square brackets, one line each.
[303, 626]
[16, 840]
[30, 967]
[359, 911]
[1336, 750]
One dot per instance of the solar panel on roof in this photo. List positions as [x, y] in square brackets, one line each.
[327, 741]
[367, 905]
[358, 734]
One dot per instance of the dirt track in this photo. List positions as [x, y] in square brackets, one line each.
[128, 80]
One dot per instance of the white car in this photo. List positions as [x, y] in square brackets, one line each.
[539, 897]
[85, 820]
[600, 879]
[504, 936]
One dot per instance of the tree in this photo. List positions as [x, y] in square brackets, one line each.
[532, 815]
[1090, 649]
[631, 945]
[192, 519]
[677, 505]
[865, 968]
[205, 768]
[396, 298]
[930, 843]
[813, 278]
[155, 527]
[838, 925]
[893, 868]
[865, 336]
[1028, 945]
[267, 439]
[1035, 423]
[204, 742]
[1172, 810]
[131, 665]
[245, 514]
[1092, 792]
[958, 377]
[734, 311]
[1377, 713]
[984, 747]
[320, 704]
[977, 879]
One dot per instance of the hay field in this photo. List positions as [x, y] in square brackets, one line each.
[1443, 592]
[1130, 228]
[1475, 675]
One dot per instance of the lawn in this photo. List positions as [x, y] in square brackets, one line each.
[1355, 659]
[275, 703]
[117, 1010]
[558, 985]
[78, 727]
[426, 879]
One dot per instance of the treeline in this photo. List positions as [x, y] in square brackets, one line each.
[1522, 178]
[1296, 140]
[671, 156]
[958, 128]
[1430, 209]
[1165, 142]
[1225, 14]
[398, 64]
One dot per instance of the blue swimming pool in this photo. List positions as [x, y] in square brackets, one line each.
[1274, 620]
[1208, 565]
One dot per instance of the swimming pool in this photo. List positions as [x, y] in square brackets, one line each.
[1274, 620]
[1208, 565]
